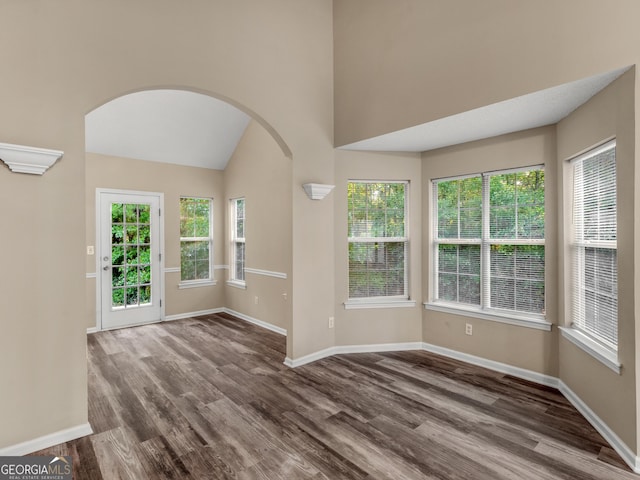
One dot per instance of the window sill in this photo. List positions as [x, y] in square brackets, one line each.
[196, 284]
[510, 319]
[604, 355]
[237, 284]
[378, 303]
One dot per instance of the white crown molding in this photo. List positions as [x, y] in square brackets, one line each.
[46, 441]
[317, 191]
[23, 159]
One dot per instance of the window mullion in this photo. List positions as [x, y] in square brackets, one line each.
[485, 248]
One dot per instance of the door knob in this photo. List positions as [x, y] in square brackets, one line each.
[106, 259]
[106, 267]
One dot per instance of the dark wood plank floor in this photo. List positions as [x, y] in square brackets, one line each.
[209, 397]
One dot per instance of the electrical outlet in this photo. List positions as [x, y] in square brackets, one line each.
[331, 322]
[468, 329]
[90, 250]
[255, 299]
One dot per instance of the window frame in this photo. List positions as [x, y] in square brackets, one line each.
[484, 242]
[599, 347]
[384, 301]
[202, 282]
[235, 241]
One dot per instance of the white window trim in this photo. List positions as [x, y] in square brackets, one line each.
[596, 349]
[602, 354]
[233, 281]
[510, 317]
[211, 280]
[390, 301]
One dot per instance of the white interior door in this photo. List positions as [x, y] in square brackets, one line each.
[129, 261]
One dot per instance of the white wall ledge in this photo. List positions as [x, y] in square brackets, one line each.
[237, 284]
[266, 273]
[593, 348]
[520, 321]
[23, 159]
[197, 284]
[354, 304]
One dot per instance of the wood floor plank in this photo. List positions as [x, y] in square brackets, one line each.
[210, 398]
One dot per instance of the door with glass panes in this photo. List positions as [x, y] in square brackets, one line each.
[129, 260]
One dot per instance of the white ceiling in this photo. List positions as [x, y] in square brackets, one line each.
[170, 126]
[537, 109]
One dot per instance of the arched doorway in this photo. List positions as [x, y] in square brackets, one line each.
[183, 146]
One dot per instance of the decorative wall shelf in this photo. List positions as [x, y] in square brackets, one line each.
[317, 191]
[22, 159]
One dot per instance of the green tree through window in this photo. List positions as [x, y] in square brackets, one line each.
[377, 239]
[195, 239]
[489, 240]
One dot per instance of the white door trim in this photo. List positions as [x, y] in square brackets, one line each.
[100, 191]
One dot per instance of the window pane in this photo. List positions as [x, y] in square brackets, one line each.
[376, 269]
[239, 261]
[517, 205]
[117, 213]
[460, 208]
[517, 277]
[459, 273]
[194, 258]
[240, 218]
[376, 210]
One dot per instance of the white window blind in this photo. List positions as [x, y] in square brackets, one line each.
[378, 239]
[594, 252]
[237, 240]
[489, 241]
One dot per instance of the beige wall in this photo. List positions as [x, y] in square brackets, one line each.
[174, 181]
[259, 172]
[613, 397]
[407, 62]
[375, 325]
[514, 345]
[63, 59]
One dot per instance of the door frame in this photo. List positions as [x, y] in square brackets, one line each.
[99, 192]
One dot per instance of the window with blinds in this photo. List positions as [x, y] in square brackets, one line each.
[237, 260]
[489, 241]
[594, 249]
[196, 239]
[378, 240]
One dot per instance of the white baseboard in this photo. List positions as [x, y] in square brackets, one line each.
[523, 373]
[342, 349]
[92, 330]
[255, 321]
[603, 429]
[312, 357]
[47, 441]
[180, 316]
